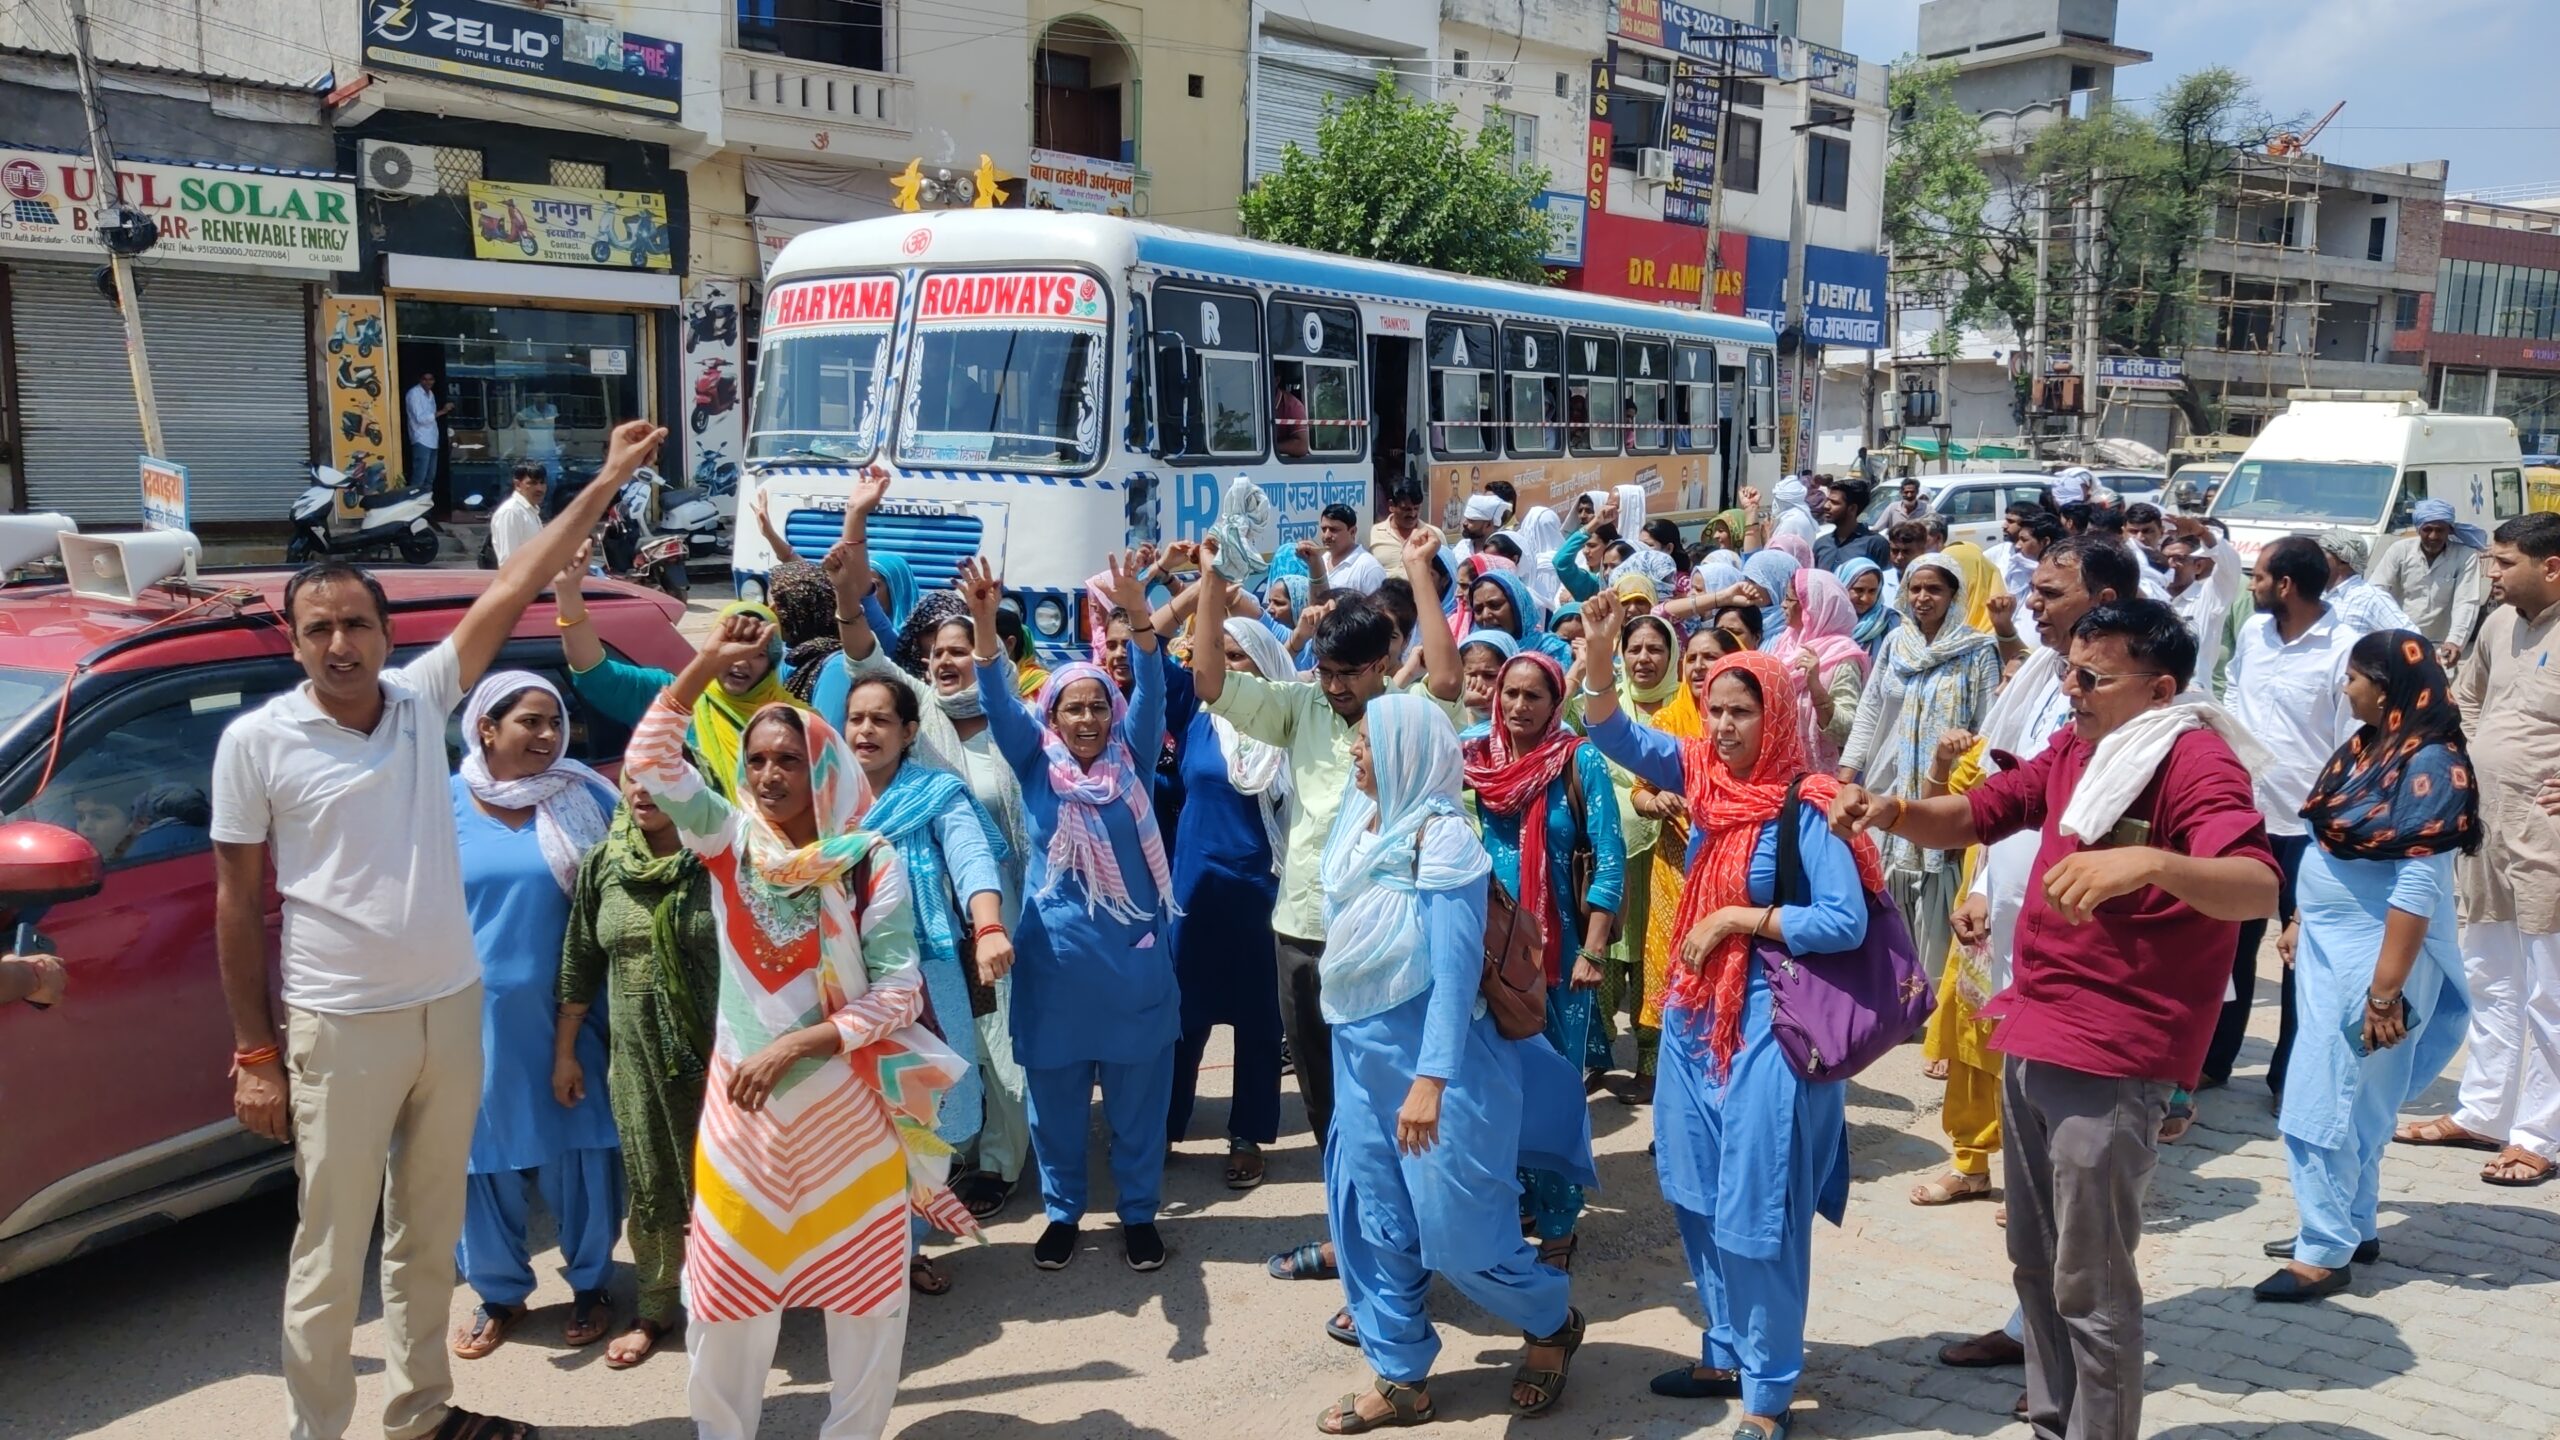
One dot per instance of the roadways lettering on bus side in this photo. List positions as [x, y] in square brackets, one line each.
[832, 302]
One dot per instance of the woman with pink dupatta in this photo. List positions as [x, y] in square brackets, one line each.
[1821, 645]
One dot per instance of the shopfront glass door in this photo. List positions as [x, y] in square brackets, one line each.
[525, 384]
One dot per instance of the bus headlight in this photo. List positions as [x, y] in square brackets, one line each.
[1050, 616]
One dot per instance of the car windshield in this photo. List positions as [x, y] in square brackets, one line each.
[2305, 492]
[23, 690]
[824, 349]
[1007, 372]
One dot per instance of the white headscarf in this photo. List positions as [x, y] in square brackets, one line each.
[568, 819]
[1245, 528]
[1541, 536]
[1253, 767]
[1631, 512]
[1487, 506]
[1376, 956]
[2072, 486]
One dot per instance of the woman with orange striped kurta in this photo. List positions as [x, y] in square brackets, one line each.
[817, 1128]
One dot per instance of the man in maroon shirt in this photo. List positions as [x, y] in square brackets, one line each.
[2117, 974]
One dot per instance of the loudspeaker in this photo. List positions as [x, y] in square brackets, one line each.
[25, 539]
[121, 567]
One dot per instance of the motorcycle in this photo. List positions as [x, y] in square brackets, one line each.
[391, 523]
[715, 392]
[352, 423]
[510, 229]
[652, 536]
[711, 325]
[640, 235]
[352, 376]
[366, 335]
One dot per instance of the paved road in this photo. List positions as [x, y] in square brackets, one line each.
[176, 1334]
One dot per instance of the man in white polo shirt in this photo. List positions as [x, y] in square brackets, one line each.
[374, 1074]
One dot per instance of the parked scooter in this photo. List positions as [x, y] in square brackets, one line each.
[715, 392]
[652, 533]
[391, 523]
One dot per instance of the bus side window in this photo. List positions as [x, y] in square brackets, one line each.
[1315, 380]
[1595, 421]
[1648, 372]
[1764, 400]
[1141, 383]
[1209, 393]
[1462, 390]
[1694, 398]
[1532, 388]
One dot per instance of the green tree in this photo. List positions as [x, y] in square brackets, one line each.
[2158, 180]
[1394, 178]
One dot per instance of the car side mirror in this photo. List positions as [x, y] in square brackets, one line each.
[44, 864]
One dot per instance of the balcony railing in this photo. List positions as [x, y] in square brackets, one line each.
[803, 92]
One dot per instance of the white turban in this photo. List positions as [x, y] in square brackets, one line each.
[2072, 486]
[1487, 507]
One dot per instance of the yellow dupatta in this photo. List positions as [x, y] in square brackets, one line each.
[720, 718]
[1668, 867]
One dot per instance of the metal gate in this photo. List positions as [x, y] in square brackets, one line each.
[229, 368]
[1291, 84]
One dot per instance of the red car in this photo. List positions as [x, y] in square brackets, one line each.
[119, 1098]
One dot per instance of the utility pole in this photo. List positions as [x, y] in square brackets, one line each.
[109, 198]
[2036, 333]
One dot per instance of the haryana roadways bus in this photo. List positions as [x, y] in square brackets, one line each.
[1050, 388]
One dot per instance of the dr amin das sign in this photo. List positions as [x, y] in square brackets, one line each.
[207, 214]
[1643, 259]
[562, 225]
[593, 60]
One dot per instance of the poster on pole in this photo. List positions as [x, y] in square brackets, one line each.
[164, 494]
[715, 393]
[1692, 138]
[355, 375]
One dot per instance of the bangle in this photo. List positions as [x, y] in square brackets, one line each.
[1591, 694]
[2377, 1004]
[251, 1059]
[1142, 629]
[1937, 779]
[570, 622]
[1765, 917]
[1596, 957]
[992, 927]
[840, 620]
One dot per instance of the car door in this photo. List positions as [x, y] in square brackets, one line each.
[1972, 512]
[125, 1085]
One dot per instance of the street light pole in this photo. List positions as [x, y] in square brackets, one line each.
[109, 197]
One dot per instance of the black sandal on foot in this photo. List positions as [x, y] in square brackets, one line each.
[1343, 1327]
[1307, 1262]
[1559, 1251]
[982, 1194]
[1244, 1165]
[1407, 1405]
[1548, 1384]
[1686, 1383]
[926, 1278]
[460, 1424]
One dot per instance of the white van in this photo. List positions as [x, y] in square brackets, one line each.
[2360, 460]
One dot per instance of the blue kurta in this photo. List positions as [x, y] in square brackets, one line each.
[2337, 1127]
[519, 916]
[1087, 987]
[1454, 1209]
[1227, 882]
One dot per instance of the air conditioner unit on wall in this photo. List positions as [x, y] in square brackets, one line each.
[1653, 167]
[399, 169]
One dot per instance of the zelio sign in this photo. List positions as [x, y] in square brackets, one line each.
[560, 56]
[207, 214]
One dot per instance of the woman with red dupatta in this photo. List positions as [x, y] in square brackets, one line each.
[1747, 1151]
[1517, 766]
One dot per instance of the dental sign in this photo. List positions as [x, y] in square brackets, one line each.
[558, 56]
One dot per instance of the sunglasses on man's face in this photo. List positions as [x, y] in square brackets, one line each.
[2088, 681]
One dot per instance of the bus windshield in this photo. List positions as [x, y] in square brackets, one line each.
[1008, 370]
[2305, 492]
[825, 350]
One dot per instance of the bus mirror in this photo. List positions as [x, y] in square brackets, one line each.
[1176, 367]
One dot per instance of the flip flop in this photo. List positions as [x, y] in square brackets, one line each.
[1245, 1167]
[2537, 1170]
[650, 1331]
[1304, 1263]
[2440, 1130]
[489, 1326]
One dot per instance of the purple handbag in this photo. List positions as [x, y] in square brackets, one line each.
[1836, 1014]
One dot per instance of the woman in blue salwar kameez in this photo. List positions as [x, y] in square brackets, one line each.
[1433, 1109]
[1747, 1151]
[2377, 967]
[1094, 999]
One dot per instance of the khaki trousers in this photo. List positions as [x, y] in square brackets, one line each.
[383, 1107]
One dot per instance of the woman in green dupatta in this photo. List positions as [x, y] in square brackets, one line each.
[642, 914]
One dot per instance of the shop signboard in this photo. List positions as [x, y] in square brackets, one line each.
[355, 373]
[773, 234]
[1565, 216]
[1833, 72]
[1644, 259]
[1692, 134]
[1637, 20]
[2141, 372]
[1844, 292]
[1595, 155]
[564, 225]
[207, 214]
[1080, 184]
[1702, 34]
[556, 56]
[164, 494]
[715, 387]
[1733, 266]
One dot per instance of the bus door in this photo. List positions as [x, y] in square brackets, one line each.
[1393, 344]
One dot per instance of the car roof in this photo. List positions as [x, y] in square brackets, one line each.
[44, 626]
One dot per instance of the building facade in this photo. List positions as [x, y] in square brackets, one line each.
[2492, 340]
[1138, 107]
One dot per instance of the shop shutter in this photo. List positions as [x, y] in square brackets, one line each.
[1291, 85]
[228, 364]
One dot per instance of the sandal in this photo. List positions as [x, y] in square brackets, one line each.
[1343, 1327]
[2440, 1130]
[1406, 1405]
[489, 1326]
[1547, 1385]
[2503, 1170]
[461, 1424]
[650, 1333]
[1950, 1188]
[927, 1279]
[590, 1312]
[1307, 1262]
[1751, 1429]
[1559, 1251]
[1244, 1164]
[1936, 1070]
[982, 1194]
